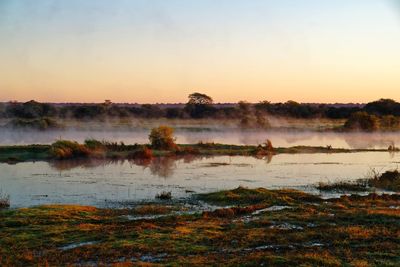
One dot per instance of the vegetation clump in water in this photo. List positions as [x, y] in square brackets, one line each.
[344, 186]
[246, 196]
[64, 149]
[4, 200]
[389, 180]
[162, 138]
[164, 195]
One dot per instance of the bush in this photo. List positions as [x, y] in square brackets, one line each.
[4, 200]
[389, 180]
[362, 121]
[164, 195]
[390, 123]
[143, 153]
[94, 144]
[64, 149]
[162, 138]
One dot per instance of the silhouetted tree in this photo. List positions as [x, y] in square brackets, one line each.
[383, 107]
[200, 106]
[200, 99]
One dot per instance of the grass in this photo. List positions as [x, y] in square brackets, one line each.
[4, 200]
[389, 180]
[14, 154]
[164, 195]
[65, 149]
[152, 209]
[344, 186]
[349, 231]
[246, 196]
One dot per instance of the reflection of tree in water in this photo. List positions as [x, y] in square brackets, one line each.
[160, 166]
[63, 165]
[163, 166]
[144, 162]
[268, 157]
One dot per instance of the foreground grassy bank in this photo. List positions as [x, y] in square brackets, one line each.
[95, 149]
[278, 228]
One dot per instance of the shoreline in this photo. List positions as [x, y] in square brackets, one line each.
[23, 153]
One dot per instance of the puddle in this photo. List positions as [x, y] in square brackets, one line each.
[77, 245]
[273, 208]
[286, 226]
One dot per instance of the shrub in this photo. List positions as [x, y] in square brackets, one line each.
[389, 180]
[268, 145]
[4, 200]
[162, 138]
[164, 195]
[143, 153]
[64, 149]
[390, 123]
[94, 144]
[362, 121]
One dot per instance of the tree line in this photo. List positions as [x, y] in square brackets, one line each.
[381, 112]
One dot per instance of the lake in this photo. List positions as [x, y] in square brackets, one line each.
[104, 182]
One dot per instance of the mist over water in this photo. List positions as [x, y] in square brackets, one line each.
[226, 136]
[108, 182]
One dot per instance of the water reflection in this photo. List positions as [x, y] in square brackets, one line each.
[159, 166]
[226, 136]
[360, 141]
[92, 182]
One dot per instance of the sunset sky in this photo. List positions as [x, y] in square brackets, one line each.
[150, 51]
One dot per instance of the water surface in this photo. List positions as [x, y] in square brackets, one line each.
[225, 136]
[97, 182]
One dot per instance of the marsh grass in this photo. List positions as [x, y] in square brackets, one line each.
[151, 209]
[164, 195]
[389, 180]
[348, 231]
[4, 200]
[65, 149]
[247, 196]
[344, 186]
[142, 153]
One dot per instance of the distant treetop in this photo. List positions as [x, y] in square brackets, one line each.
[200, 99]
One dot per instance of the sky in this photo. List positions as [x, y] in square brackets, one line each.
[158, 51]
